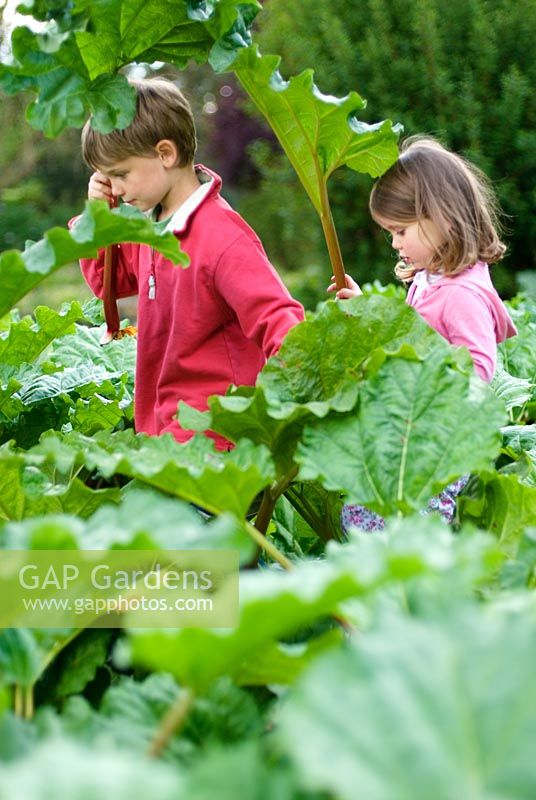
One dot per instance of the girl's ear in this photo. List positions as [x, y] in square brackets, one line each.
[167, 152]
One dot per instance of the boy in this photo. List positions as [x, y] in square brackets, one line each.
[213, 323]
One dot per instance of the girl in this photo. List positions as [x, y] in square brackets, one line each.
[441, 213]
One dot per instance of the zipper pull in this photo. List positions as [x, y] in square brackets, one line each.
[152, 287]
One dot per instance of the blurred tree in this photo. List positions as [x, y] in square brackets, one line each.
[463, 71]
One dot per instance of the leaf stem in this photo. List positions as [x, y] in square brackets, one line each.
[172, 722]
[18, 700]
[330, 234]
[266, 545]
[28, 702]
[270, 497]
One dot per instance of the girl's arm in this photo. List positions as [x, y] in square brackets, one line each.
[468, 322]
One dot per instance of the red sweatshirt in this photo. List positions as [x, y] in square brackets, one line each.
[204, 327]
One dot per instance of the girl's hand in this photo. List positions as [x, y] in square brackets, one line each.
[99, 188]
[351, 290]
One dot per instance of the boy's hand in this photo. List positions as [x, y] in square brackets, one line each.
[352, 288]
[99, 188]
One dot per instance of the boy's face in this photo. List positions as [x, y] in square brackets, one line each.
[141, 181]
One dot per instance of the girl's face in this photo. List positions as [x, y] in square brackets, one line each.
[416, 243]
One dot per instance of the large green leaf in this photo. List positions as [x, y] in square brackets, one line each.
[317, 370]
[421, 709]
[280, 663]
[72, 61]
[96, 414]
[95, 228]
[519, 445]
[83, 353]
[16, 737]
[319, 133]
[86, 394]
[128, 717]
[519, 438]
[519, 571]
[274, 605]
[500, 504]
[417, 566]
[194, 471]
[20, 657]
[61, 768]
[27, 339]
[147, 519]
[514, 392]
[78, 663]
[413, 431]
[86, 398]
[28, 491]
[121, 32]
[518, 354]
[244, 414]
[131, 712]
[143, 520]
[249, 773]
[320, 363]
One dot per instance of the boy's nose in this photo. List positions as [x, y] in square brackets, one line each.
[117, 189]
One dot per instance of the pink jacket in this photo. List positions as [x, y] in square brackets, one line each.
[467, 311]
[204, 327]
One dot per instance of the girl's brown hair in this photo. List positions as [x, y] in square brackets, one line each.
[162, 112]
[429, 182]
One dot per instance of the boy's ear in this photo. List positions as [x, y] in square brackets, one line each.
[167, 152]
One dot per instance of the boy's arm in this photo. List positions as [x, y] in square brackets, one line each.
[249, 284]
[126, 281]
[126, 278]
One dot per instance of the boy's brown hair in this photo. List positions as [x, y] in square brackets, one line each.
[429, 182]
[162, 112]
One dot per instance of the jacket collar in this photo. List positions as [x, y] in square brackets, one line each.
[210, 187]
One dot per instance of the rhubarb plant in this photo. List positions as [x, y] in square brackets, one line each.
[363, 403]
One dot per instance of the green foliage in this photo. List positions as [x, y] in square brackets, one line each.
[61, 768]
[94, 229]
[194, 471]
[420, 687]
[502, 504]
[318, 133]
[366, 664]
[462, 72]
[519, 359]
[72, 66]
[78, 663]
[51, 377]
[385, 455]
